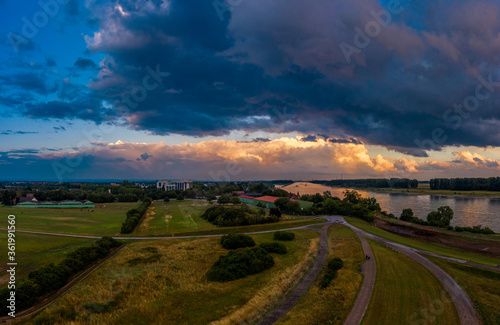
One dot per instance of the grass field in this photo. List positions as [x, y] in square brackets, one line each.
[174, 217]
[332, 304]
[102, 222]
[34, 251]
[406, 293]
[430, 247]
[482, 286]
[182, 218]
[173, 289]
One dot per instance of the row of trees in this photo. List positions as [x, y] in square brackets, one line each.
[54, 276]
[353, 204]
[223, 216]
[374, 183]
[135, 215]
[442, 218]
[466, 184]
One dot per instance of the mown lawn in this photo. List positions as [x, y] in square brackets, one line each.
[182, 218]
[405, 292]
[481, 285]
[332, 304]
[105, 221]
[172, 288]
[34, 251]
[430, 247]
[173, 217]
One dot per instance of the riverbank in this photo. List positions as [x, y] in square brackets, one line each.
[428, 191]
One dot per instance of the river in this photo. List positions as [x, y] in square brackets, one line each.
[468, 211]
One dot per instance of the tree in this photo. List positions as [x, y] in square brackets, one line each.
[224, 199]
[275, 212]
[352, 196]
[406, 215]
[282, 203]
[441, 218]
[235, 200]
[8, 197]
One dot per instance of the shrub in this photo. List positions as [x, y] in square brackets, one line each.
[239, 264]
[329, 277]
[277, 248]
[284, 235]
[335, 264]
[234, 241]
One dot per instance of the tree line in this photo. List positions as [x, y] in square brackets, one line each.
[373, 183]
[466, 184]
[52, 277]
[134, 216]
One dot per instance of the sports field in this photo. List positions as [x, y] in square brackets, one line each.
[104, 221]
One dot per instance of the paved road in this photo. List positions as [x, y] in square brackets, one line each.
[369, 269]
[464, 307]
[301, 289]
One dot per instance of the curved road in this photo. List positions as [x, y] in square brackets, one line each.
[464, 307]
[369, 269]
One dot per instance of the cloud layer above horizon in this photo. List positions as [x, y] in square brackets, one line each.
[420, 76]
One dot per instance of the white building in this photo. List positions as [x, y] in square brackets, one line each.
[175, 185]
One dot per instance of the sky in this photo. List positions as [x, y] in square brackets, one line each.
[249, 90]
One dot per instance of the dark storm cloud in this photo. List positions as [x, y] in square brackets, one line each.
[309, 138]
[278, 67]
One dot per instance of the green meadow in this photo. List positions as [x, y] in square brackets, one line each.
[405, 291]
[182, 218]
[481, 285]
[430, 247]
[105, 221]
[34, 251]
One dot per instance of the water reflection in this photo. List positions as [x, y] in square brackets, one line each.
[468, 211]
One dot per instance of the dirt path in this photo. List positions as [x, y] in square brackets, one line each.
[301, 289]
[369, 269]
[464, 307]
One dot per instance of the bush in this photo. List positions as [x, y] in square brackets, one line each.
[335, 264]
[239, 264]
[166, 199]
[284, 235]
[277, 248]
[180, 197]
[234, 241]
[329, 277]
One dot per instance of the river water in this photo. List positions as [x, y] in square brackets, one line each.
[468, 211]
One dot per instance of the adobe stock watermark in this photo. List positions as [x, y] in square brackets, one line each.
[138, 94]
[454, 117]
[372, 29]
[231, 171]
[223, 6]
[48, 10]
